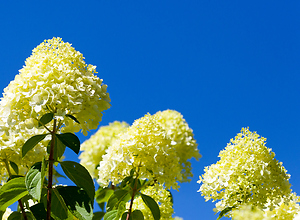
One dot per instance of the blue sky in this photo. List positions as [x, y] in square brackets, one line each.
[223, 64]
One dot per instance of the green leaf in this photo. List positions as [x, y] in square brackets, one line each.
[35, 178]
[102, 195]
[80, 176]
[77, 201]
[121, 209]
[70, 140]
[45, 119]
[117, 197]
[151, 203]
[19, 216]
[14, 166]
[39, 211]
[98, 215]
[59, 210]
[12, 191]
[73, 118]
[137, 215]
[224, 211]
[111, 215]
[31, 142]
[59, 149]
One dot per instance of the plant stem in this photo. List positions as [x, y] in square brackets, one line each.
[19, 201]
[132, 198]
[50, 171]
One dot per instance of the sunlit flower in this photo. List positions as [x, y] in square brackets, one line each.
[248, 212]
[182, 139]
[95, 147]
[247, 173]
[287, 208]
[54, 78]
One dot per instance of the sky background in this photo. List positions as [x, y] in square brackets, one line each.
[223, 64]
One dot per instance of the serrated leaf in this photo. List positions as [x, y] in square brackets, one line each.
[80, 176]
[31, 142]
[12, 191]
[70, 140]
[45, 119]
[35, 178]
[111, 215]
[77, 201]
[14, 166]
[117, 197]
[73, 118]
[152, 205]
[98, 215]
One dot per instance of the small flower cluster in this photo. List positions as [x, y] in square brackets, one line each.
[247, 173]
[163, 199]
[156, 146]
[287, 209]
[94, 148]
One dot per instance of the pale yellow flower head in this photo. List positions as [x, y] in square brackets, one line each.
[147, 148]
[55, 75]
[248, 212]
[182, 139]
[94, 148]
[163, 199]
[247, 173]
[287, 208]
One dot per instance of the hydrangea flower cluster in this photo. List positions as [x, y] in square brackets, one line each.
[248, 212]
[163, 199]
[153, 146]
[287, 208]
[182, 139]
[247, 173]
[95, 147]
[55, 77]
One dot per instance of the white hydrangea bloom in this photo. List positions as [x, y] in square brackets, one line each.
[94, 148]
[247, 173]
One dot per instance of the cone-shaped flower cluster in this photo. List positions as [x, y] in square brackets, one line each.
[247, 173]
[55, 78]
[156, 146]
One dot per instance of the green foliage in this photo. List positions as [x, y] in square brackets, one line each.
[117, 197]
[98, 215]
[19, 216]
[103, 194]
[70, 140]
[14, 166]
[150, 202]
[77, 201]
[73, 118]
[12, 191]
[45, 119]
[39, 211]
[225, 211]
[31, 142]
[80, 176]
[35, 178]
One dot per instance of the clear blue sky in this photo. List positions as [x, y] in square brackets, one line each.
[223, 64]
